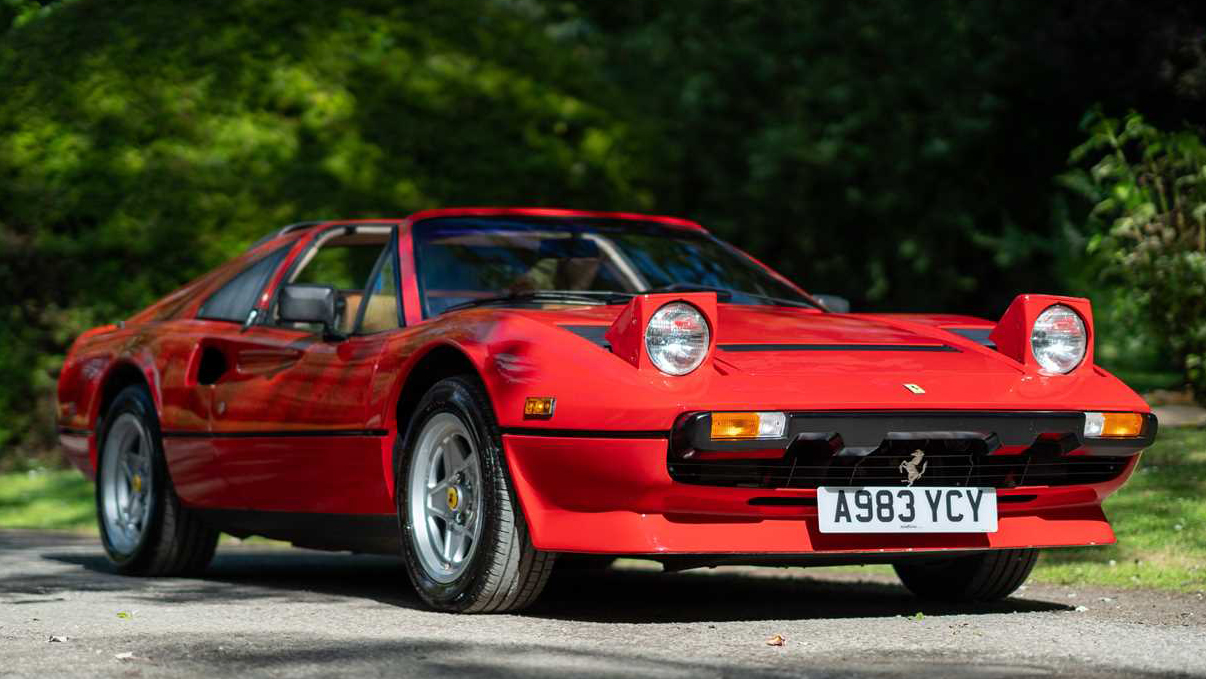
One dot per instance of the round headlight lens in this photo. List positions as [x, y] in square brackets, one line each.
[677, 338]
[1059, 339]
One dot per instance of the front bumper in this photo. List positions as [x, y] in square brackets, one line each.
[855, 433]
[596, 494]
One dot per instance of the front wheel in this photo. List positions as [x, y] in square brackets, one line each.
[988, 576]
[464, 539]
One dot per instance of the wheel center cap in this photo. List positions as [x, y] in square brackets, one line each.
[454, 498]
[136, 483]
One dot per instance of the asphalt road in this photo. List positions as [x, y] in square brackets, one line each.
[281, 612]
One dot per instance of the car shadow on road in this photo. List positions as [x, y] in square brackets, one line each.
[606, 595]
[720, 595]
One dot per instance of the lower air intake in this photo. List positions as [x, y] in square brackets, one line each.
[960, 463]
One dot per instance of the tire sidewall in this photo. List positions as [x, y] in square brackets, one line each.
[137, 401]
[454, 397]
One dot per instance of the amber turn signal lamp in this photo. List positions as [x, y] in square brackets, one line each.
[741, 426]
[1113, 425]
[539, 406]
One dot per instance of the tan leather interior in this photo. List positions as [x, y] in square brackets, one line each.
[381, 314]
[350, 309]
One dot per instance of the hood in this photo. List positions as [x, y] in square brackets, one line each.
[779, 358]
[766, 340]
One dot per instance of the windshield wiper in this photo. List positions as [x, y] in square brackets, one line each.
[597, 297]
[726, 294]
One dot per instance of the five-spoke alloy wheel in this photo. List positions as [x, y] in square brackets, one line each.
[445, 501]
[128, 483]
[144, 528]
[464, 538]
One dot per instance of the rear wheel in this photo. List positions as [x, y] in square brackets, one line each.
[464, 538]
[988, 576]
[144, 528]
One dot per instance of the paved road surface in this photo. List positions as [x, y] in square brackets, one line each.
[264, 612]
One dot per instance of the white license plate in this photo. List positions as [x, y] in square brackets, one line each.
[875, 509]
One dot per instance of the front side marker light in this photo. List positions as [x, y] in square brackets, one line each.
[1113, 425]
[539, 406]
[748, 426]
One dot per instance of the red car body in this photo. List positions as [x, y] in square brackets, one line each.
[295, 436]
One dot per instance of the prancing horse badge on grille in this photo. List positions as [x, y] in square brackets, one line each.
[910, 469]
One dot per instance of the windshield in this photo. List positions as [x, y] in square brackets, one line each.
[460, 260]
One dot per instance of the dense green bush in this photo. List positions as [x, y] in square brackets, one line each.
[897, 152]
[144, 142]
[1148, 188]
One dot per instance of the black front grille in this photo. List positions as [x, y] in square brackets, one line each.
[808, 464]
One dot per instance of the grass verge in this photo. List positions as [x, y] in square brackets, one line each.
[1159, 517]
[44, 498]
[60, 499]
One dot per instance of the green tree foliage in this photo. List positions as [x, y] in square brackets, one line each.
[897, 152]
[1148, 190]
[861, 143]
[144, 142]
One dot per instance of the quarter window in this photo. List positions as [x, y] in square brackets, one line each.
[234, 301]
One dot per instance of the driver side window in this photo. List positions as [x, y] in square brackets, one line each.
[346, 262]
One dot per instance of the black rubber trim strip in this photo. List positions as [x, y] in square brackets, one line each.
[309, 433]
[977, 335]
[595, 334]
[837, 347]
[75, 431]
[783, 501]
[587, 433]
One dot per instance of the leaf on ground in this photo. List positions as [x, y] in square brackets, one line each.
[125, 615]
[918, 616]
[56, 639]
[776, 640]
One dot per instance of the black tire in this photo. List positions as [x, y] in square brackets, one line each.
[983, 577]
[505, 572]
[173, 540]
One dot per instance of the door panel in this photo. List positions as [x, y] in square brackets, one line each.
[289, 381]
[289, 423]
[324, 474]
[289, 402]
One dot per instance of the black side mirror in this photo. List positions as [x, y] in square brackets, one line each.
[319, 304]
[838, 305]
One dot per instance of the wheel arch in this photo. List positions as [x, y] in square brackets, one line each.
[123, 373]
[438, 362]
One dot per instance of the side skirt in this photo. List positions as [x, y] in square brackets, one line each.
[366, 533]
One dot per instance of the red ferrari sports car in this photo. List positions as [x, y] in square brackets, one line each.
[482, 390]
